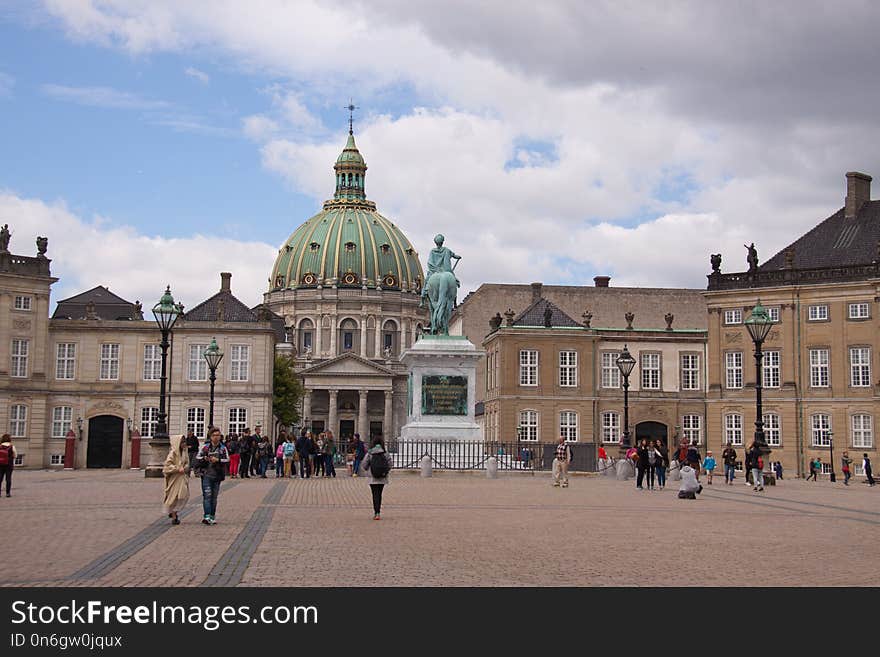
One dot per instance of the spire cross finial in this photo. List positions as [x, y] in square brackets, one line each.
[351, 108]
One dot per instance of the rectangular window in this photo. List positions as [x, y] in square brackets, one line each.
[307, 340]
[772, 434]
[152, 362]
[860, 367]
[690, 371]
[388, 340]
[61, 421]
[568, 426]
[18, 420]
[528, 367]
[610, 427]
[819, 368]
[826, 468]
[528, 425]
[859, 311]
[237, 420]
[347, 340]
[733, 429]
[773, 314]
[65, 361]
[56, 459]
[109, 362]
[19, 459]
[22, 302]
[734, 369]
[650, 371]
[821, 425]
[195, 421]
[692, 428]
[818, 313]
[610, 371]
[863, 431]
[568, 361]
[19, 358]
[238, 362]
[770, 364]
[733, 316]
[149, 421]
[198, 368]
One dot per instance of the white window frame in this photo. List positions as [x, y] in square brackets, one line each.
[733, 316]
[770, 369]
[733, 429]
[610, 373]
[152, 362]
[862, 428]
[19, 459]
[18, 418]
[568, 364]
[149, 421]
[568, 426]
[773, 313]
[690, 372]
[528, 367]
[820, 368]
[65, 361]
[860, 367]
[197, 366]
[529, 426]
[23, 302]
[62, 421]
[196, 419]
[859, 310]
[773, 429]
[826, 468]
[650, 375]
[109, 365]
[56, 459]
[820, 427]
[20, 349]
[817, 313]
[692, 428]
[611, 427]
[733, 370]
[239, 362]
[237, 420]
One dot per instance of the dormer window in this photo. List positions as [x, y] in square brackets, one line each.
[385, 248]
[314, 246]
[349, 246]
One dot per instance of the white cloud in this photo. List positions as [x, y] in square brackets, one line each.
[259, 127]
[201, 76]
[135, 266]
[7, 82]
[103, 97]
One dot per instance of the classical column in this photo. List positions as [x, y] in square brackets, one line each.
[387, 429]
[363, 336]
[307, 409]
[402, 336]
[377, 352]
[319, 329]
[363, 426]
[333, 331]
[331, 413]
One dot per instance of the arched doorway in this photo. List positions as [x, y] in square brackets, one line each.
[652, 431]
[105, 442]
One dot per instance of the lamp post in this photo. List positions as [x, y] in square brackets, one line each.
[759, 325]
[833, 477]
[625, 363]
[213, 356]
[166, 313]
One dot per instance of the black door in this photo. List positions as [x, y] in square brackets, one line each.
[346, 430]
[375, 429]
[651, 431]
[105, 442]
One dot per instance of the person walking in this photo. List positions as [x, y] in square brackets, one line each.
[279, 461]
[652, 464]
[846, 467]
[812, 474]
[377, 464]
[560, 463]
[233, 447]
[709, 467]
[755, 462]
[287, 451]
[192, 447]
[177, 472]
[866, 467]
[264, 450]
[212, 457]
[728, 456]
[329, 455]
[304, 448]
[318, 456]
[244, 448]
[359, 451]
[661, 463]
[641, 463]
[777, 468]
[7, 461]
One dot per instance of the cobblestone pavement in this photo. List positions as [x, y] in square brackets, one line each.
[103, 528]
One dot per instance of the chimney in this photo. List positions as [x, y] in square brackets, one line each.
[225, 281]
[536, 291]
[858, 190]
[601, 281]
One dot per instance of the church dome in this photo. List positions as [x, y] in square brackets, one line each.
[348, 243]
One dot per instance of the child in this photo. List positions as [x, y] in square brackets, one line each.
[709, 466]
[777, 467]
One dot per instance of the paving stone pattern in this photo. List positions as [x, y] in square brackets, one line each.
[106, 528]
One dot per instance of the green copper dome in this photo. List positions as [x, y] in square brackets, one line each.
[348, 243]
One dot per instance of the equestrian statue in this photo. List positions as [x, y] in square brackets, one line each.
[441, 286]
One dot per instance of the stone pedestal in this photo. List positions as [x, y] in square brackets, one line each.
[159, 447]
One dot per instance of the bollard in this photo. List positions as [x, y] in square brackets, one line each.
[426, 466]
[492, 468]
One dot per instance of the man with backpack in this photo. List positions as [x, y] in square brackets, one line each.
[7, 461]
[377, 464]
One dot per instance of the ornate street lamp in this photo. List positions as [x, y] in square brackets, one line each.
[759, 325]
[625, 363]
[166, 313]
[213, 356]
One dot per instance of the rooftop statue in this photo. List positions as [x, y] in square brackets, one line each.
[441, 286]
[4, 238]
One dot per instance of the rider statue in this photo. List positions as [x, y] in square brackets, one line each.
[440, 296]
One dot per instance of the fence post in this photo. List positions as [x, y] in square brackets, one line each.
[492, 468]
[426, 466]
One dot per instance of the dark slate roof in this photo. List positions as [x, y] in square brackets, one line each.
[836, 242]
[233, 310]
[108, 306]
[277, 321]
[534, 315]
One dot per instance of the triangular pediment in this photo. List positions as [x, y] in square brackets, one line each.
[349, 364]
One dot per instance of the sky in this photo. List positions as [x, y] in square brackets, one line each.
[161, 142]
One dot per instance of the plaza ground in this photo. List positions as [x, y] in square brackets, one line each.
[106, 528]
